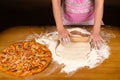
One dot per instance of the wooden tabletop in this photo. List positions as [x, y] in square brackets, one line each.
[108, 70]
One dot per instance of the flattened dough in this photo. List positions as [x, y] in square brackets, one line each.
[76, 50]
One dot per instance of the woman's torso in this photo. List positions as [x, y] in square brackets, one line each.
[78, 10]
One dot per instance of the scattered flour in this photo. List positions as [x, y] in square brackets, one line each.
[92, 59]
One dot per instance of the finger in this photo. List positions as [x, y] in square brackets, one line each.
[69, 39]
[98, 44]
[95, 44]
[91, 39]
[66, 40]
[103, 41]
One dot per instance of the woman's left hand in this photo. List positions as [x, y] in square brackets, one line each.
[96, 40]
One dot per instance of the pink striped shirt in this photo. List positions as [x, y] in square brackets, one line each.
[78, 10]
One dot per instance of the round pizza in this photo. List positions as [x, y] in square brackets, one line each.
[25, 58]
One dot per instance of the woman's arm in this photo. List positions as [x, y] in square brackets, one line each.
[99, 4]
[56, 4]
[95, 37]
[57, 12]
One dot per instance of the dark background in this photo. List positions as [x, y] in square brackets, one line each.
[39, 12]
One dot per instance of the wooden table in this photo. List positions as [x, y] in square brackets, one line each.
[108, 70]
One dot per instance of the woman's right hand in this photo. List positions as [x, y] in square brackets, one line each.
[64, 36]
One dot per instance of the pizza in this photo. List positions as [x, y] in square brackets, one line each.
[24, 58]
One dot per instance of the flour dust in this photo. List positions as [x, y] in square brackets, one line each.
[92, 59]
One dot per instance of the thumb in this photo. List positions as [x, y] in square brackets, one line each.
[91, 38]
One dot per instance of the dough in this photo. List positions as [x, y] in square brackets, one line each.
[76, 50]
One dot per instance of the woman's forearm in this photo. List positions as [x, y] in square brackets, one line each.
[56, 4]
[99, 5]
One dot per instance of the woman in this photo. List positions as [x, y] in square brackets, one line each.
[82, 12]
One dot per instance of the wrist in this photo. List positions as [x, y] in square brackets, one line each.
[60, 27]
[96, 30]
